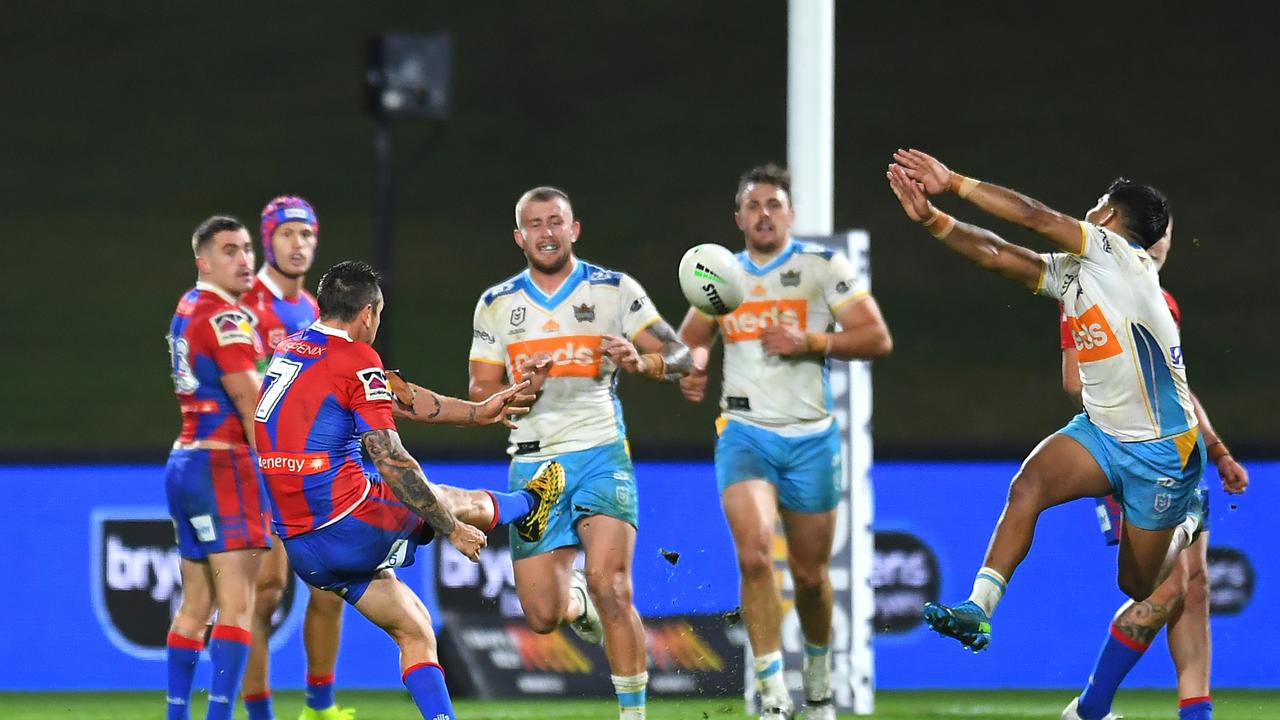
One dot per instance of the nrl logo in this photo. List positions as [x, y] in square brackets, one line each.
[517, 316]
[791, 278]
[584, 313]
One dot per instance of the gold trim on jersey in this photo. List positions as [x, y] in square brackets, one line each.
[856, 296]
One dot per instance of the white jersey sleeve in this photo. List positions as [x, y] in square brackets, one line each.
[637, 310]
[842, 285]
[486, 342]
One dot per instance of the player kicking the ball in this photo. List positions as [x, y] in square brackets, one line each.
[569, 326]
[779, 447]
[324, 394]
[1138, 436]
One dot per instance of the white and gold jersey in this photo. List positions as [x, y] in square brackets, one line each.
[1131, 366]
[578, 408]
[803, 288]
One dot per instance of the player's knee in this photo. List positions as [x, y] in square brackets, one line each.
[1136, 587]
[809, 577]
[267, 595]
[1196, 594]
[755, 560]
[544, 617]
[611, 591]
[1026, 489]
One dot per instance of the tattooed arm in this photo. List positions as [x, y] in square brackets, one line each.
[433, 408]
[657, 353]
[405, 478]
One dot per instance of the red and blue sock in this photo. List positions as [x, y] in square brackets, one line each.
[320, 692]
[228, 649]
[1118, 656]
[1196, 708]
[184, 653]
[425, 682]
[258, 707]
[510, 507]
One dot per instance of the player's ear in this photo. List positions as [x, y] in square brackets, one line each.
[202, 265]
[519, 238]
[574, 230]
[737, 220]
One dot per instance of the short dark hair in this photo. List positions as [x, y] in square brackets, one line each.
[346, 288]
[770, 174]
[212, 225]
[542, 193]
[1145, 210]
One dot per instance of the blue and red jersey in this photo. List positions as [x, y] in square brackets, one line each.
[320, 393]
[275, 316]
[210, 336]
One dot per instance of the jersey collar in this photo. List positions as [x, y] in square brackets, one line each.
[333, 332]
[566, 288]
[270, 284]
[210, 287]
[755, 269]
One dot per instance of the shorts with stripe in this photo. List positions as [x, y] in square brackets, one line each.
[217, 500]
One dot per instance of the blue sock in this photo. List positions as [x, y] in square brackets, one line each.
[320, 692]
[425, 682]
[258, 707]
[510, 507]
[184, 653]
[631, 691]
[1196, 708]
[228, 649]
[1118, 656]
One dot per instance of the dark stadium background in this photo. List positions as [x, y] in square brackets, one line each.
[125, 123]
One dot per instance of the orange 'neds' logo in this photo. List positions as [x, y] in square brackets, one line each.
[1093, 335]
[571, 355]
[750, 318]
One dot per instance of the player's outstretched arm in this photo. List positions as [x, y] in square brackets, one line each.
[657, 352]
[1235, 478]
[423, 405]
[697, 332]
[980, 246]
[1061, 230]
[242, 388]
[405, 478]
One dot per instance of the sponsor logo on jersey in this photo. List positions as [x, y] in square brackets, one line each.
[1093, 336]
[843, 286]
[584, 313]
[484, 335]
[301, 347]
[550, 326]
[638, 303]
[294, 463]
[790, 278]
[274, 337]
[137, 579]
[233, 326]
[751, 318]
[375, 384]
[517, 316]
[1175, 355]
[571, 355]
[759, 290]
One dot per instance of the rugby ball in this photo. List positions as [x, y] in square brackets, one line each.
[711, 279]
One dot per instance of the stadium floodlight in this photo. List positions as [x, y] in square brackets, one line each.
[409, 76]
[405, 77]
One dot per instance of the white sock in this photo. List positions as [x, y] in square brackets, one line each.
[769, 678]
[631, 695]
[817, 672]
[1181, 540]
[988, 588]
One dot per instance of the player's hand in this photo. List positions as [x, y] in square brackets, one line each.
[468, 540]
[1235, 479]
[536, 369]
[910, 194]
[694, 385]
[783, 340]
[403, 391]
[924, 169]
[622, 352]
[503, 405]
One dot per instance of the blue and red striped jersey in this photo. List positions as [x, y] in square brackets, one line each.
[320, 393]
[275, 316]
[210, 336]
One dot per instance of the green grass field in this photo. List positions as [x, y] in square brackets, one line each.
[382, 705]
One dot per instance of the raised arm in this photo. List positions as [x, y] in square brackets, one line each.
[404, 476]
[242, 388]
[432, 408]
[978, 245]
[1062, 230]
[697, 332]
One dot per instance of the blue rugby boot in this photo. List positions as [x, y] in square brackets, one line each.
[965, 622]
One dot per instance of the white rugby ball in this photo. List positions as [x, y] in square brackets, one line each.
[711, 279]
